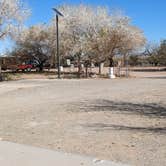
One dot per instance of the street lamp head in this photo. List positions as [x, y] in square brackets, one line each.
[57, 12]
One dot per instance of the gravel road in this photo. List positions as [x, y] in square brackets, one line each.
[122, 120]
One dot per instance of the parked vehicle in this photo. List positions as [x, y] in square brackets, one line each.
[25, 67]
[15, 64]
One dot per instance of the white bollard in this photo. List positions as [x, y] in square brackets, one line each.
[111, 73]
[61, 68]
[68, 62]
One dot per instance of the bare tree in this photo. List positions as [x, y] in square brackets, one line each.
[12, 15]
[86, 34]
[35, 43]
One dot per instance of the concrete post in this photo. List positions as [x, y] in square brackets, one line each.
[111, 73]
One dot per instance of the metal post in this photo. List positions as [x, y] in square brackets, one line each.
[57, 39]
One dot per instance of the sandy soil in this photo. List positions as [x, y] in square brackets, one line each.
[121, 120]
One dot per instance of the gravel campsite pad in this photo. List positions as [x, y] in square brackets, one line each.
[120, 120]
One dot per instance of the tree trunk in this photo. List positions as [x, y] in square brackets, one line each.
[111, 68]
[124, 60]
[99, 68]
[111, 62]
[86, 71]
[79, 66]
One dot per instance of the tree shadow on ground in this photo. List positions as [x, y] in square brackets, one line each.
[162, 77]
[106, 127]
[150, 110]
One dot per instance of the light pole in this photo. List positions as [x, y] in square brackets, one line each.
[57, 40]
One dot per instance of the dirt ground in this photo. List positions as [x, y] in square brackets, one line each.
[120, 120]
